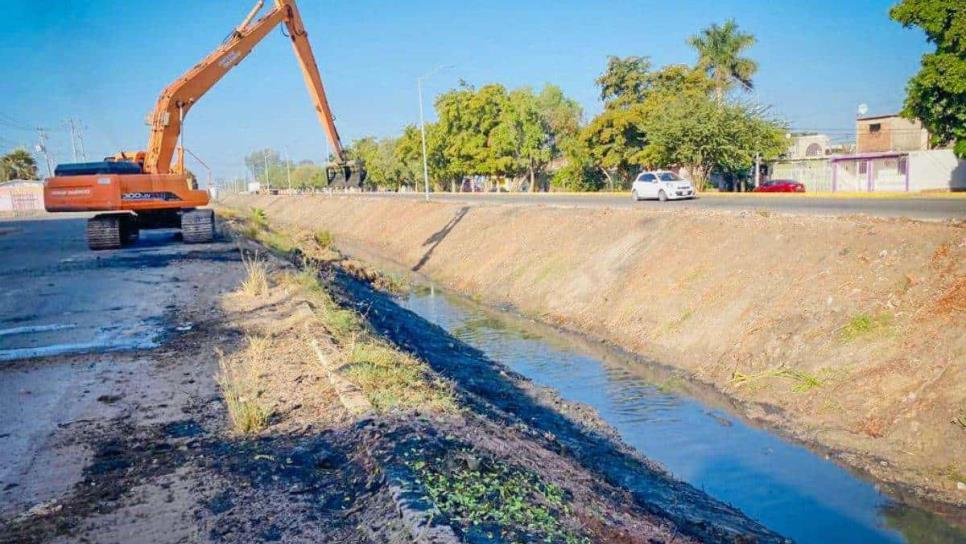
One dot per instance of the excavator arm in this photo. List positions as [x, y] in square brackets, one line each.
[179, 97]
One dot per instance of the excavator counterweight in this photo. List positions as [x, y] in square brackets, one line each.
[143, 189]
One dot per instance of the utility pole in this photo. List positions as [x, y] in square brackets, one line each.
[757, 170]
[42, 147]
[422, 125]
[73, 143]
[80, 142]
[288, 170]
[422, 130]
[268, 184]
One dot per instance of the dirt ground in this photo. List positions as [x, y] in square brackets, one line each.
[143, 448]
[847, 332]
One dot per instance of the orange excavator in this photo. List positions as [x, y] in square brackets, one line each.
[143, 190]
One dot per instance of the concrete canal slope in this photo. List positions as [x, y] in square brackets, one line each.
[844, 332]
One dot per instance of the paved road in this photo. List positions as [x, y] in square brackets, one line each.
[76, 330]
[930, 208]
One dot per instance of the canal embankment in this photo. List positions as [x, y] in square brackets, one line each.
[843, 332]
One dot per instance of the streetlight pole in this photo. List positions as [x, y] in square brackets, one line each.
[422, 130]
[422, 123]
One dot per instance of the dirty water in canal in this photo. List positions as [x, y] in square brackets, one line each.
[787, 487]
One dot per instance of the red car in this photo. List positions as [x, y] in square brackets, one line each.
[780, 186]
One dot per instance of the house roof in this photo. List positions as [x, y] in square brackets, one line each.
[873, 117]
[866, 156]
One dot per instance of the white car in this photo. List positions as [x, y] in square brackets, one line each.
[661, 185]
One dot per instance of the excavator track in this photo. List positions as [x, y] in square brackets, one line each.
[104, 232]
[198, 226]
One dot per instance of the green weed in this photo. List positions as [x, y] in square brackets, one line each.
[525, 508]
[258, 218]
[864, 324]
[324, 239]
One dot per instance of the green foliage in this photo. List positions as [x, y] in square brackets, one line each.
[386, 170]
[616, 141]
[666, 118]
[489, 492]
[267, 167]
[324, 238]
[308, 176]
[485, 131]
[693, 130]
[18, 164]
[719, 55]
[864, 324]
[937, 94]
[257, 217]
[624, 81]
[560, 115]
[579, 173]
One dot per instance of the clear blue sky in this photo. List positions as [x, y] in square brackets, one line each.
[105, 62]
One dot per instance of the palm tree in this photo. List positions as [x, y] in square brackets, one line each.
[18, 164]
[719, 54]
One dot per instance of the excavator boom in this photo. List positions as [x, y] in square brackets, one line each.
[143, 189]
[178, 98]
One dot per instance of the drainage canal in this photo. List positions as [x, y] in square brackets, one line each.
[787, 487]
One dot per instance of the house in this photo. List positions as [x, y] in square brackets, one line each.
[808, 146]
[882, 133]
[892, 154]
[902, 171]
[806, 161]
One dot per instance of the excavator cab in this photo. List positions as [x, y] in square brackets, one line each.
[345, 175]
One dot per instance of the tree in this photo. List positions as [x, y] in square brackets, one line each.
[267, 167]
[308, 175]
[408, 154]
[579, 173]
[18, 164]
[696, 132]
[937, 94]
[521, 142]
[560, 115]
[615, 140]
[624, 81]
[719, 54]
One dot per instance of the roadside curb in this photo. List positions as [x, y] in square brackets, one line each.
[350, 395]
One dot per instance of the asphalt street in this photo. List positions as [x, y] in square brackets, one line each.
[925, 208]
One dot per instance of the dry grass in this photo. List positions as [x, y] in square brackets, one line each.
[802, 381]
[392, 379]
[239, 381]
[388, 377]
[256, 276]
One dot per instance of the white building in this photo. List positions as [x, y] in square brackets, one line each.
[21, 197]
[899, 171]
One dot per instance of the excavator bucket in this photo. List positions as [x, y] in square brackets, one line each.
[347, 174]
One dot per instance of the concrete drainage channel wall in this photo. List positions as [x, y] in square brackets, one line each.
[844, 332]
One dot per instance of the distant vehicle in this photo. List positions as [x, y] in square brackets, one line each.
[780, 186]
[661, 185]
